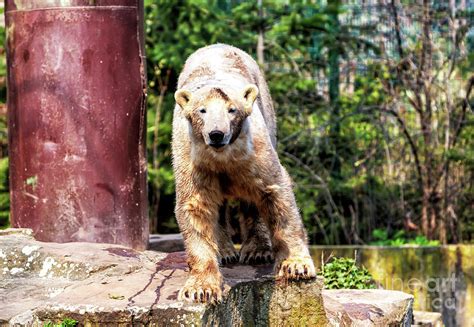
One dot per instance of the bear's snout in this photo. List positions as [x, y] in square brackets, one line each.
[216, 138]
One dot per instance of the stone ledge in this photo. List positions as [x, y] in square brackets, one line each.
[166, 243]
[368, 307]
[110, 284]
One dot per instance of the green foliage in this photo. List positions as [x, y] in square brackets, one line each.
[343, 273]
[3, 74]
[352, 167]
[316, 137]
[67, 322]
[174, 30]
[381, 237]
[4, 181]
[4, 194]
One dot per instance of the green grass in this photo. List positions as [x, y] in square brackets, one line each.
[381, 237]
[67, 322]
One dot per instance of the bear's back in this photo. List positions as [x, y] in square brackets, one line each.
[223, 64]
[218, 63]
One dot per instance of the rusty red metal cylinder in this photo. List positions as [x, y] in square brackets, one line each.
[76, 107]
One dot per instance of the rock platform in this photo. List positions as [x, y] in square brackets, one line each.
[104, 284]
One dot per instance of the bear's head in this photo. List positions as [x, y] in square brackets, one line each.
[217, 113]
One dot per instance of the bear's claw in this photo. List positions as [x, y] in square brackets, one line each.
[257, 257]
[227, 253]
[231, 259]
[256, 250]
[200, 291]
[296, 268]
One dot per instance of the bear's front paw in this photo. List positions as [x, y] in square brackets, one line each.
[296, 268]
[256, 251]
[230, 259]
[201, 290]
[228, 255]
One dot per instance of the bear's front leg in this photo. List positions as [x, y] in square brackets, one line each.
[256, 246]
[289, 240]
[198, 220]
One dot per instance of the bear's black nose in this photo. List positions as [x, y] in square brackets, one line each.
[216, 137]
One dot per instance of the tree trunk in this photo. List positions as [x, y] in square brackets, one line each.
[77, 113]
[334, 75]
[429, 214]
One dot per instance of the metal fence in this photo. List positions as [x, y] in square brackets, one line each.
[390, 27]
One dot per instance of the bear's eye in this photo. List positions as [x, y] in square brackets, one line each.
[202, 110]
[232, 110]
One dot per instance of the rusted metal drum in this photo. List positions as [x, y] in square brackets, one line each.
[76, 106]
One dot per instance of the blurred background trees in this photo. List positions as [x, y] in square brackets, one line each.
[374, 102]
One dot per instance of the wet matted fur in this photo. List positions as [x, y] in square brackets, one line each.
[221, 88]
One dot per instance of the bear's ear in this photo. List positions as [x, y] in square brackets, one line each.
[183, 97]
[250, 94]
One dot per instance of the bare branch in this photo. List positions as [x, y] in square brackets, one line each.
[412, 144]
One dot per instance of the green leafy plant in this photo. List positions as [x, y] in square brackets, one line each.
[344, 273]
[67, 322]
